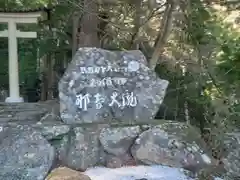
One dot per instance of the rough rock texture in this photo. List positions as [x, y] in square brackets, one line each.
[84, 148]
[64, 173]
[117, 141]
[120, 161]
[224, 143]
[24, 154]
[52, 131]
[85, 145]
[173, 144]
[61, 146]
[232, 163]
[232, 159]
[137, 173]
[21, 113]
[101, 85]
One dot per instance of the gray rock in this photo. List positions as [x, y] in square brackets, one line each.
[119, 161]
[24, 154]
[138, 173]
[117, 141]
[101, 85]
[232, 159]
[172, 144]
[53, 110]
[84, 148]
[29, 112]
[43, 117]
[61, 146]
[52, 131]
[225, 143]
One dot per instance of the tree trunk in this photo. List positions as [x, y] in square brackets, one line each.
[50, 63]
[44, 84]
[50, 76]
[47, 72]
[75, 27]
[88, 36]
[152, 4]
[166, 27]
[137, 24]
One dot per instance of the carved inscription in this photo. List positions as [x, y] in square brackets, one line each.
[108, 81]
[115, 99]
[132, 66]
[82, 101]
[101, 70]
[119, 100]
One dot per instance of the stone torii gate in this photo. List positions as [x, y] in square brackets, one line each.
[12, 19]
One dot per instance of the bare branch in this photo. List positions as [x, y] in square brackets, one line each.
[164, 34]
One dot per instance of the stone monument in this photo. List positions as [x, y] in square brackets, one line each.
[105, 86]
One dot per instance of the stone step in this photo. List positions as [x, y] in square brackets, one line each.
[22, 112]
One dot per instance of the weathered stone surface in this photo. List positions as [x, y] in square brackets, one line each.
[53, 110]
[43, 117]
[138, 173]
[61, 146]
[117, 141]
[64, 173]
[21, 112]
[84, 148]
[225, 144]
[120, 161]
[87, 146]
[232, 163]
[52, 131]
[232, 159]
[173, 144]
[24, 154]
[34, 112]
[101, 85]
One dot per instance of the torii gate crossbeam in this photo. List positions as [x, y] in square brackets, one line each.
[12, 34]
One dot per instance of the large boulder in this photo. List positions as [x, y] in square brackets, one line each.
[117, 141]
[112, 161]
[101, 86]
[137, 173]
[24, 154]
[173, 144]
[84, 148]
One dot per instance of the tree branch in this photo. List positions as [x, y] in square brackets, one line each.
[166, 27]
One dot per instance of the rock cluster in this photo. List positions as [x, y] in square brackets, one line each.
[80, 133]
[171, 143]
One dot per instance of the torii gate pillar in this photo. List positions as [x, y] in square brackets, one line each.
[12, 34]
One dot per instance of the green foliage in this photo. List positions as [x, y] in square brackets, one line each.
[27, 49]
[216, 76]
[229, 58]
[196, 28]
[45, 43]
[23, 4]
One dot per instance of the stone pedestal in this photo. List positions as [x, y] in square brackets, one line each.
[14, 100]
